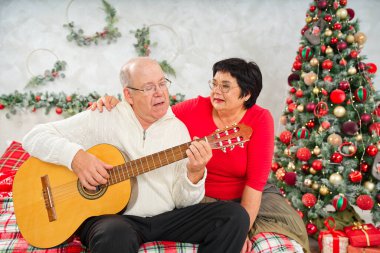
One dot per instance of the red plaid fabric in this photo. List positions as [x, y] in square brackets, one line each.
[11, 240]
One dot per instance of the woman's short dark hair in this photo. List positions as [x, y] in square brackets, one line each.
[247, 74]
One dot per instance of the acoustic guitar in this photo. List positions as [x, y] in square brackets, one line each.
[50, 202]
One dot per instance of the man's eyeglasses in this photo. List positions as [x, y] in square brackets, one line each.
[224, 87]
[150, 89]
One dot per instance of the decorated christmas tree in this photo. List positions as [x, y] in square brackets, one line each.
[326, 159]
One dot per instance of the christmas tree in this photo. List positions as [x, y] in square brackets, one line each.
[326, 158]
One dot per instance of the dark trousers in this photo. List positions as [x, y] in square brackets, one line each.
[219, 227]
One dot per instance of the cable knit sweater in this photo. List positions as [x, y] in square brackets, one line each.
[154, 192]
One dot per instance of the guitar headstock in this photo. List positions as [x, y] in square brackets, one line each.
[229, 137]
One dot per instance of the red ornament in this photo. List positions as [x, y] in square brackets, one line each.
[285, 137]
[364, 167]
[58, 110]
[275, 166]
[302, 133]
[323, 49]
[310, 124]
[344, 85]
[365, 118]
[1, 106]
[343, 2]
[350, 128]
[333, 41]
[303, 154]
[327, 64]
[311, 229]
[374, 128]
[322, 4]
[324, 92]
[360, 94]
[305, 167]
[293, 78]
[371, 68]
[339, 202]
[306, 53]
[328, 18]
[310, 107]
[292, 90]
[312, 8]
[354, 54]
[304, 29]
[361, 66]
[364, 202]
[289, 100]
[325, 125]
[297, 65]
[378, 198]
[290, 178]
[89, 104]
[351, 13]
[371, 150]
[37, 98]
[337, 96]
[321, 109]
[309, 200]
[341, 45]
[292, 107]
[337, 26]
[299, 93]
[342, 62]
[317, 165]
[336, 158]
[377, 111]
[355, 176]
[328, 79]
[34, 109]
[292, 120]
[68, 99]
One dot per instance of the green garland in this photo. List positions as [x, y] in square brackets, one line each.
[109, 33]
[67, 105]
[143, 46]
[49, 75]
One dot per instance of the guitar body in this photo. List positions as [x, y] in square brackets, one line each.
[70, 206]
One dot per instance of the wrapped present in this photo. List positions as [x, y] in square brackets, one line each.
[331, 240]
[352, 249]
[363, 235]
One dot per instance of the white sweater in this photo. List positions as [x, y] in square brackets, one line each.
[157, 191]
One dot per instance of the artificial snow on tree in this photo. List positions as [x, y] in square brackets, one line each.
[331, 137]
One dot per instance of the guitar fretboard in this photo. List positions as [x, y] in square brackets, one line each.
[145, 164]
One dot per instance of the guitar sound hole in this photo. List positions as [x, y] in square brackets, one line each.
[91, 194]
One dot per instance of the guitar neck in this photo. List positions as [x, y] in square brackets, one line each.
[145, 164]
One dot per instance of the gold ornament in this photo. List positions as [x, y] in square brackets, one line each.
[307, 182]
[340, 35]
[369, 186]
[310, 78]
[342, 14]
[334, 139]
[321, 129]
[351, 71]
[314, 62]
[324, 190]
[350, 38]
[339, 111]
[308, 19]
[378, 146]
[328, 32]
[329, 50]
[287, 152]
[336, 179]
[315, 186]
[360, 38]
[312, 171]
[291, 166]
[315, 18]
[300, 108]
[359, 137]
[316, 150]
[315, 90]
[283, 120]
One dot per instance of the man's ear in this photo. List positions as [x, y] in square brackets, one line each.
[246, 97]
[128, 96]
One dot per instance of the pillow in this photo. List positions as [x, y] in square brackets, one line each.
[10, 161]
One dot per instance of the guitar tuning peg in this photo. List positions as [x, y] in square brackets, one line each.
[241, 145]
[232, 147]
[224, 150]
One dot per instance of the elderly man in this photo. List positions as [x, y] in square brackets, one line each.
[163, 203]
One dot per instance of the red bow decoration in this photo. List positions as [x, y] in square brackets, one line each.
[331, 231]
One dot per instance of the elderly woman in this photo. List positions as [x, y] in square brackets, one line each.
[240, 174]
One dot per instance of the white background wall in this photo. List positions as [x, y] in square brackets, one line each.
[267, 32]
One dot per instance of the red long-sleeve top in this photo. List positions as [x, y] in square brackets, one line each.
[229, 173]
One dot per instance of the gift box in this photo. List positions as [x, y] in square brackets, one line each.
[352, 249]
[331, 240]
[363, 235]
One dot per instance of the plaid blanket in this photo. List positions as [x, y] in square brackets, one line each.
[11, 240]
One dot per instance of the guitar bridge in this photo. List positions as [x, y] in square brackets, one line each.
[48, 198]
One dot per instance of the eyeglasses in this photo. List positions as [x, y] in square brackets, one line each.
[150, 89]
[224, 87]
